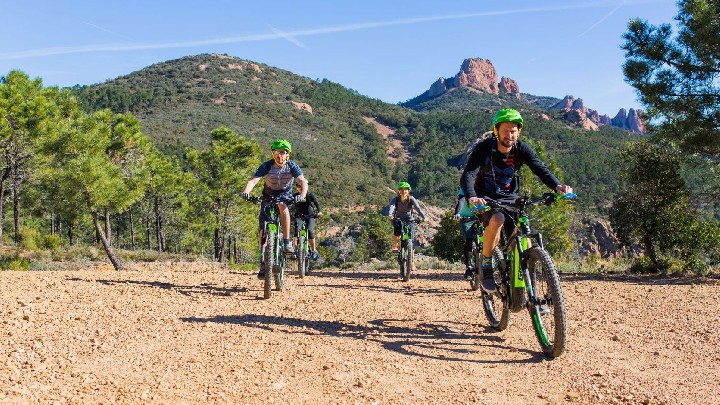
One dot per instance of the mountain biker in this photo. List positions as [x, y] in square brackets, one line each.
[466, 218]
[401, 206]
[492, 171]
[304, 211]
[279, 174]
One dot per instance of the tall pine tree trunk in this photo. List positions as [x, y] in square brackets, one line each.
[5, 175]
[117, 264]
[132, 230]
[107, 226]
[16, 213]
[148, 231]
[71, 234]
[159, 232]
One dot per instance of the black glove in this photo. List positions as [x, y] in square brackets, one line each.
[245, 196]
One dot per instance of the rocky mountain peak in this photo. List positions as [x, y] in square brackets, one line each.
[477, 74]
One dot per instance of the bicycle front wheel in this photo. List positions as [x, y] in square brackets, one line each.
[547, 311]
[269, 263]
[279, 273]
[301, 256]
[408, 261]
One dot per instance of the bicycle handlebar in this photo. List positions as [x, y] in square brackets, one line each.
[415, 220]
[520, 203]
[273, 199]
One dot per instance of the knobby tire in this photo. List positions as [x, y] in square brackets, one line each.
[269, 263]
[408, 264]
[550, 329]
[301, 256]
[475, 262]
[496, 305]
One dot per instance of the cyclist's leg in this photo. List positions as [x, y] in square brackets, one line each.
[397, 231]
[491, 236]
[494, 222]
[284, 214]
[311, 238]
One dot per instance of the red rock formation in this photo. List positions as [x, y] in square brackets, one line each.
[478, 74]
[510, 86]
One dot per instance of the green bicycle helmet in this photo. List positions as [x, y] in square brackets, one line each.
[404, 184]
[507, 115]
[281, 144]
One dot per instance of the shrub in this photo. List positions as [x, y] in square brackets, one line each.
[14, 263]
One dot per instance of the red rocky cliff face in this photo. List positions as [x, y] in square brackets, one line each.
[476, 73]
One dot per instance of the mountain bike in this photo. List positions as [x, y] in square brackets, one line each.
[303, 247]
[526, 276]
[272, 254]
[406, 253]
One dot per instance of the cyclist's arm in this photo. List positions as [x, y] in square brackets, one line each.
[391, 210]
[538, 167]
[312, 200]
[250, 184]
[459, 205]
[303, 185]
[470, 173]
[416, 205]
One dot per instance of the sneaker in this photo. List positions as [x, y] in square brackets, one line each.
[314, 255]
[289, 246]
[261, 273]
[488, 280]
[395, 247]
[468, 273]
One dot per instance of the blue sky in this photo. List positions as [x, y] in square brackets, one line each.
[389, 50]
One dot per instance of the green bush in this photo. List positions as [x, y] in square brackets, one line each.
[29, 238]
[51, 242]
[14, 263]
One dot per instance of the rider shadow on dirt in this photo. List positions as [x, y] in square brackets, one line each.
[422, 340]
[188, 290]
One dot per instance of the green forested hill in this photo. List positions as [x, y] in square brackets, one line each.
[179, 102]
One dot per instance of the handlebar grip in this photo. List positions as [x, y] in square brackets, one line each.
[567, 197]
[480, 208]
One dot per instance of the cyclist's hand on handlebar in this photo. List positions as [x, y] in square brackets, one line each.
[476, 201]
[391, 217]
[319, 214]
[563, 189]
[245, 196]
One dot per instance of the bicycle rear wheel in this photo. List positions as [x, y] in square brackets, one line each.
[279, 273]
[269, 263]
[301, 256]
[475, 261]
[496, 305]
[549, 316]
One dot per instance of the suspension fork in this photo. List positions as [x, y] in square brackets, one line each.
[522, 244]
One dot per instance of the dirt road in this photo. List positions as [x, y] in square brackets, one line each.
[199, 333]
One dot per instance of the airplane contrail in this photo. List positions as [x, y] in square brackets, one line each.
[290, 36]
[602, 19]
[287, 36]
